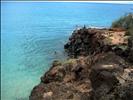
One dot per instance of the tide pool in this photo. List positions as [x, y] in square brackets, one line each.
[31, 33]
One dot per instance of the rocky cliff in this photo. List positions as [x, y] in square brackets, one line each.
[99, 68]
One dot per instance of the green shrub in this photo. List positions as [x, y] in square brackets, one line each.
[125, 22]
[56, 63]
[70, 61]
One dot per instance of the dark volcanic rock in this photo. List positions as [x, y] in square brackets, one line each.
[129, 52]
[85, 42]
[91, 40]
[67, 81]
[98, 70]
[87, 78]
[88, 41]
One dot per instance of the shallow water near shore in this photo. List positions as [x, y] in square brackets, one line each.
[33, 35]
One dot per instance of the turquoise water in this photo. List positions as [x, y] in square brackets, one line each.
[32, 32]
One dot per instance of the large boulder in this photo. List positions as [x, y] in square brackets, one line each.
[111, 75]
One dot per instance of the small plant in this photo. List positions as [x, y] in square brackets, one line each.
[125, 22]
[70, 61]
[57, 63]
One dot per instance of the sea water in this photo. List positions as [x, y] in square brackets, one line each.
[33, 35]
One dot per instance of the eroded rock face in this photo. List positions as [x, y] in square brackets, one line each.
[80, 80]
[67, 81]
[87, 41]
[98, 71]
[107, 75]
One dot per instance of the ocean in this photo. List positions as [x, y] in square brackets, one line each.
[31, 33]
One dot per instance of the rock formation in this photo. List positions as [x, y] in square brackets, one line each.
[88, 41]
[98, 68]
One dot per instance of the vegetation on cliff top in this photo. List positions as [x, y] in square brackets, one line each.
[125, 22]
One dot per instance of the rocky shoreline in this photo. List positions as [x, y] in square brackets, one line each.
[100, 67]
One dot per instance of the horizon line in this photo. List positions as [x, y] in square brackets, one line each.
[109, 2]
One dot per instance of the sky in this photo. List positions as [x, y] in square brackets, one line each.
[121, 2]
